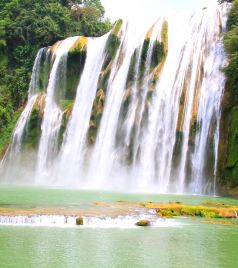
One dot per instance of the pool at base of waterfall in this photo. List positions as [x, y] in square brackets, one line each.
[112, 239]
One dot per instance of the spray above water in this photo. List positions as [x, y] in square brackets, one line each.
[140, 109]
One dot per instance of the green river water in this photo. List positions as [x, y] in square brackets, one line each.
[193, 243]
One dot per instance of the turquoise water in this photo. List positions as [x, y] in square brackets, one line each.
[190, 244]
[194, 245]
[17, 196]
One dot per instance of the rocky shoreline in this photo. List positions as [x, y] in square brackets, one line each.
[209, 211]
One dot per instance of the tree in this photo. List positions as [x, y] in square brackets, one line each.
[26, 26]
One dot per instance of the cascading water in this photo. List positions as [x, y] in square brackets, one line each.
[72, 151]
[52, 113]
[144, 115]
[198, 85]
[208, 118]
[104, 154]
[32, 95]
[15, 148]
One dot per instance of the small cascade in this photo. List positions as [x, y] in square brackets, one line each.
[135, 110]
[35, 76]
[32, 95]
[15, 148]
[35, 220]
[128, 221]
[52, 112]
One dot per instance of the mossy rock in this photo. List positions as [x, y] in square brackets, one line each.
[112, 46]
[143, 223]
[232, 158]
[75, 64]
[158, 56]
[131, 73]
[66, 105]
[79, 46]
[231, 171]
[103, 79]
[45, 67]
[79, 221]
[143, 58]
[96, 115]
[117, 26]
[33, 131]
[164, 35]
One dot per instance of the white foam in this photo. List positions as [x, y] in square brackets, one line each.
[123, 222]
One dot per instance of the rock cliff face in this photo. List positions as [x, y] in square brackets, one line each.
[140, 104]
[228, 147]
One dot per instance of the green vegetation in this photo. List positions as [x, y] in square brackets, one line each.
[229, 123]
[112, 46]
[231, 46]
[26, 26]
[31, 137]
[75, 63]
[113, 43]
[204, 211]
[7, 130]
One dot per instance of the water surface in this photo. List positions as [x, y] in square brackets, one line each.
[188, 243]
[194, 245]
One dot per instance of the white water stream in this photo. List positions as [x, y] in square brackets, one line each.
[52, 114]
[72, 151]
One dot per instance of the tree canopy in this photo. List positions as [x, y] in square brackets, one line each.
[231, 46]
[26, 26]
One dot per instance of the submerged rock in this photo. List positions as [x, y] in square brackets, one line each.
[79, 221]
[143, 223]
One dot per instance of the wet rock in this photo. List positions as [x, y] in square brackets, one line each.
[143, 223]
[79, 221]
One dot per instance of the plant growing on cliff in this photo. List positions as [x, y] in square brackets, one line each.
[229, 145]
[231, 46]
[26, 26]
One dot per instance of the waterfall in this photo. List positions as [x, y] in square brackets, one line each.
[18, 134]
[72, 152]
[104, 154]
[137, 109]
[52, 113]
[197, 84]
[32, 95]
[208, 118]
